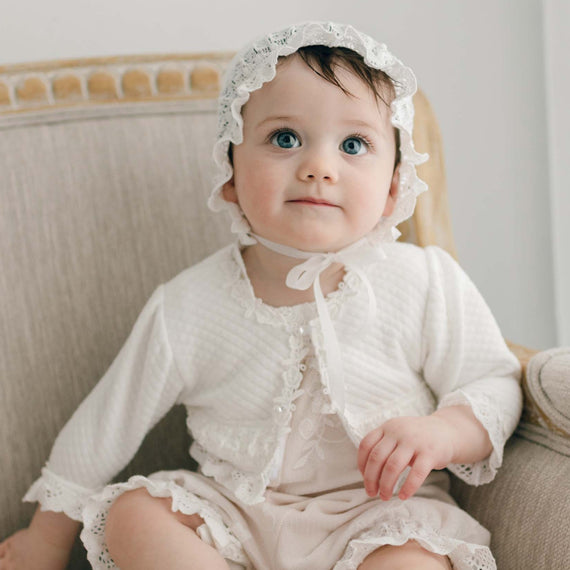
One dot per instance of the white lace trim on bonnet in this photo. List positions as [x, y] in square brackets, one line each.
[256, 64]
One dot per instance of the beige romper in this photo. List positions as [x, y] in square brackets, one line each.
[316, 514]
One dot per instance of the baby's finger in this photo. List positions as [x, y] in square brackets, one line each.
[393, 468]
[365, 447]
[421, 468]
[374, 464]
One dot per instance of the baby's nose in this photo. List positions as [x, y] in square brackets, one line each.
[318, 166]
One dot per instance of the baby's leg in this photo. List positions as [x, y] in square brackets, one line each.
[409, 555]
[142, 533]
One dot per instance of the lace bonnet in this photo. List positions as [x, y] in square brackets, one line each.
[255, 65]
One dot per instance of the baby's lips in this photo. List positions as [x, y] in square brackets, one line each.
[313, 201]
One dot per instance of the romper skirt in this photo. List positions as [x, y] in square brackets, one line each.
[316, 514]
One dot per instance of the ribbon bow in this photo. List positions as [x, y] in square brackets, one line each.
[308, 273]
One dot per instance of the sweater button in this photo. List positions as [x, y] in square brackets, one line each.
[303, 330]
[280, 409]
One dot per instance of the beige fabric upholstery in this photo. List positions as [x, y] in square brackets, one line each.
[105, 170]
[98, 208]
[527, 506]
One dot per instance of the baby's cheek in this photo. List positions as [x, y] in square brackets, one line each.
[367, 214]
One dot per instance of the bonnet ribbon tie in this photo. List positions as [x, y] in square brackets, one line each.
[302, 276]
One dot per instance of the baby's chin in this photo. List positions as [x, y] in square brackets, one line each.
[333, 245]
[317, 245]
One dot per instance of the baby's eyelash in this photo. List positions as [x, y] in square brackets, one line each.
[362, 137]
[281, 130]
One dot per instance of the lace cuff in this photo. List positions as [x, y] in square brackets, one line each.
[55, 493]
[488, 413]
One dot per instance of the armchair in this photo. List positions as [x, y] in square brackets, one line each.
[105, 169]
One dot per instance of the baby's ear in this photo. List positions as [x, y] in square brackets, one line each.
[229, 193]
[393, 193]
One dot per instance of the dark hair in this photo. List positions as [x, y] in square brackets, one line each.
[324, 60]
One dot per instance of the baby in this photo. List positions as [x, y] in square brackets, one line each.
[329, 373]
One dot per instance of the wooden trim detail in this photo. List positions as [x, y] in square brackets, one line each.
[110, 80]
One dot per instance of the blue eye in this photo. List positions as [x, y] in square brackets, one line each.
[354, 146]
[285, 139]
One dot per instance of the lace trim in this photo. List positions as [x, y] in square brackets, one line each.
[314, 428]
[247, 446]
[291, 318]
[247, 487]
[97, 510]
[489, 414]
[55, 493]
[464, 556]
[321, 400]
[284, 404]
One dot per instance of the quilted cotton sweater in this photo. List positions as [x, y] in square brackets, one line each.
[205, 341]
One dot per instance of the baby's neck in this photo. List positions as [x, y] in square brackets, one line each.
[267, 272]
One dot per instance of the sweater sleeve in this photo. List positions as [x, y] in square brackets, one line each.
[466, 360]
[106, 430]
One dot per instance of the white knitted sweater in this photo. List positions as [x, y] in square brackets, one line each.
[205, 341]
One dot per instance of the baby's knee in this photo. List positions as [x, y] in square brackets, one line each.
[134, 511]
[126, 513]
[409, 555]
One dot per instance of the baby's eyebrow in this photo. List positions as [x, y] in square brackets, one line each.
[361, 123]
[276, 118]
[352, 123]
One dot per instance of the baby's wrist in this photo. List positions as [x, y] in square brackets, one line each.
[54, 529]
[451, 430]
[470, 439]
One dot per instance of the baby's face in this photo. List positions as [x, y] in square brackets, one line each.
[315, 170]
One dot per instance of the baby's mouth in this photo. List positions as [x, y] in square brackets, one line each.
[312, 202]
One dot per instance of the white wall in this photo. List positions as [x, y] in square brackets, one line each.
[480, 62]
[557, 42]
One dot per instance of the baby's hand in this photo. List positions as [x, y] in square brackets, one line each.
[423, 443]
[27, 550]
